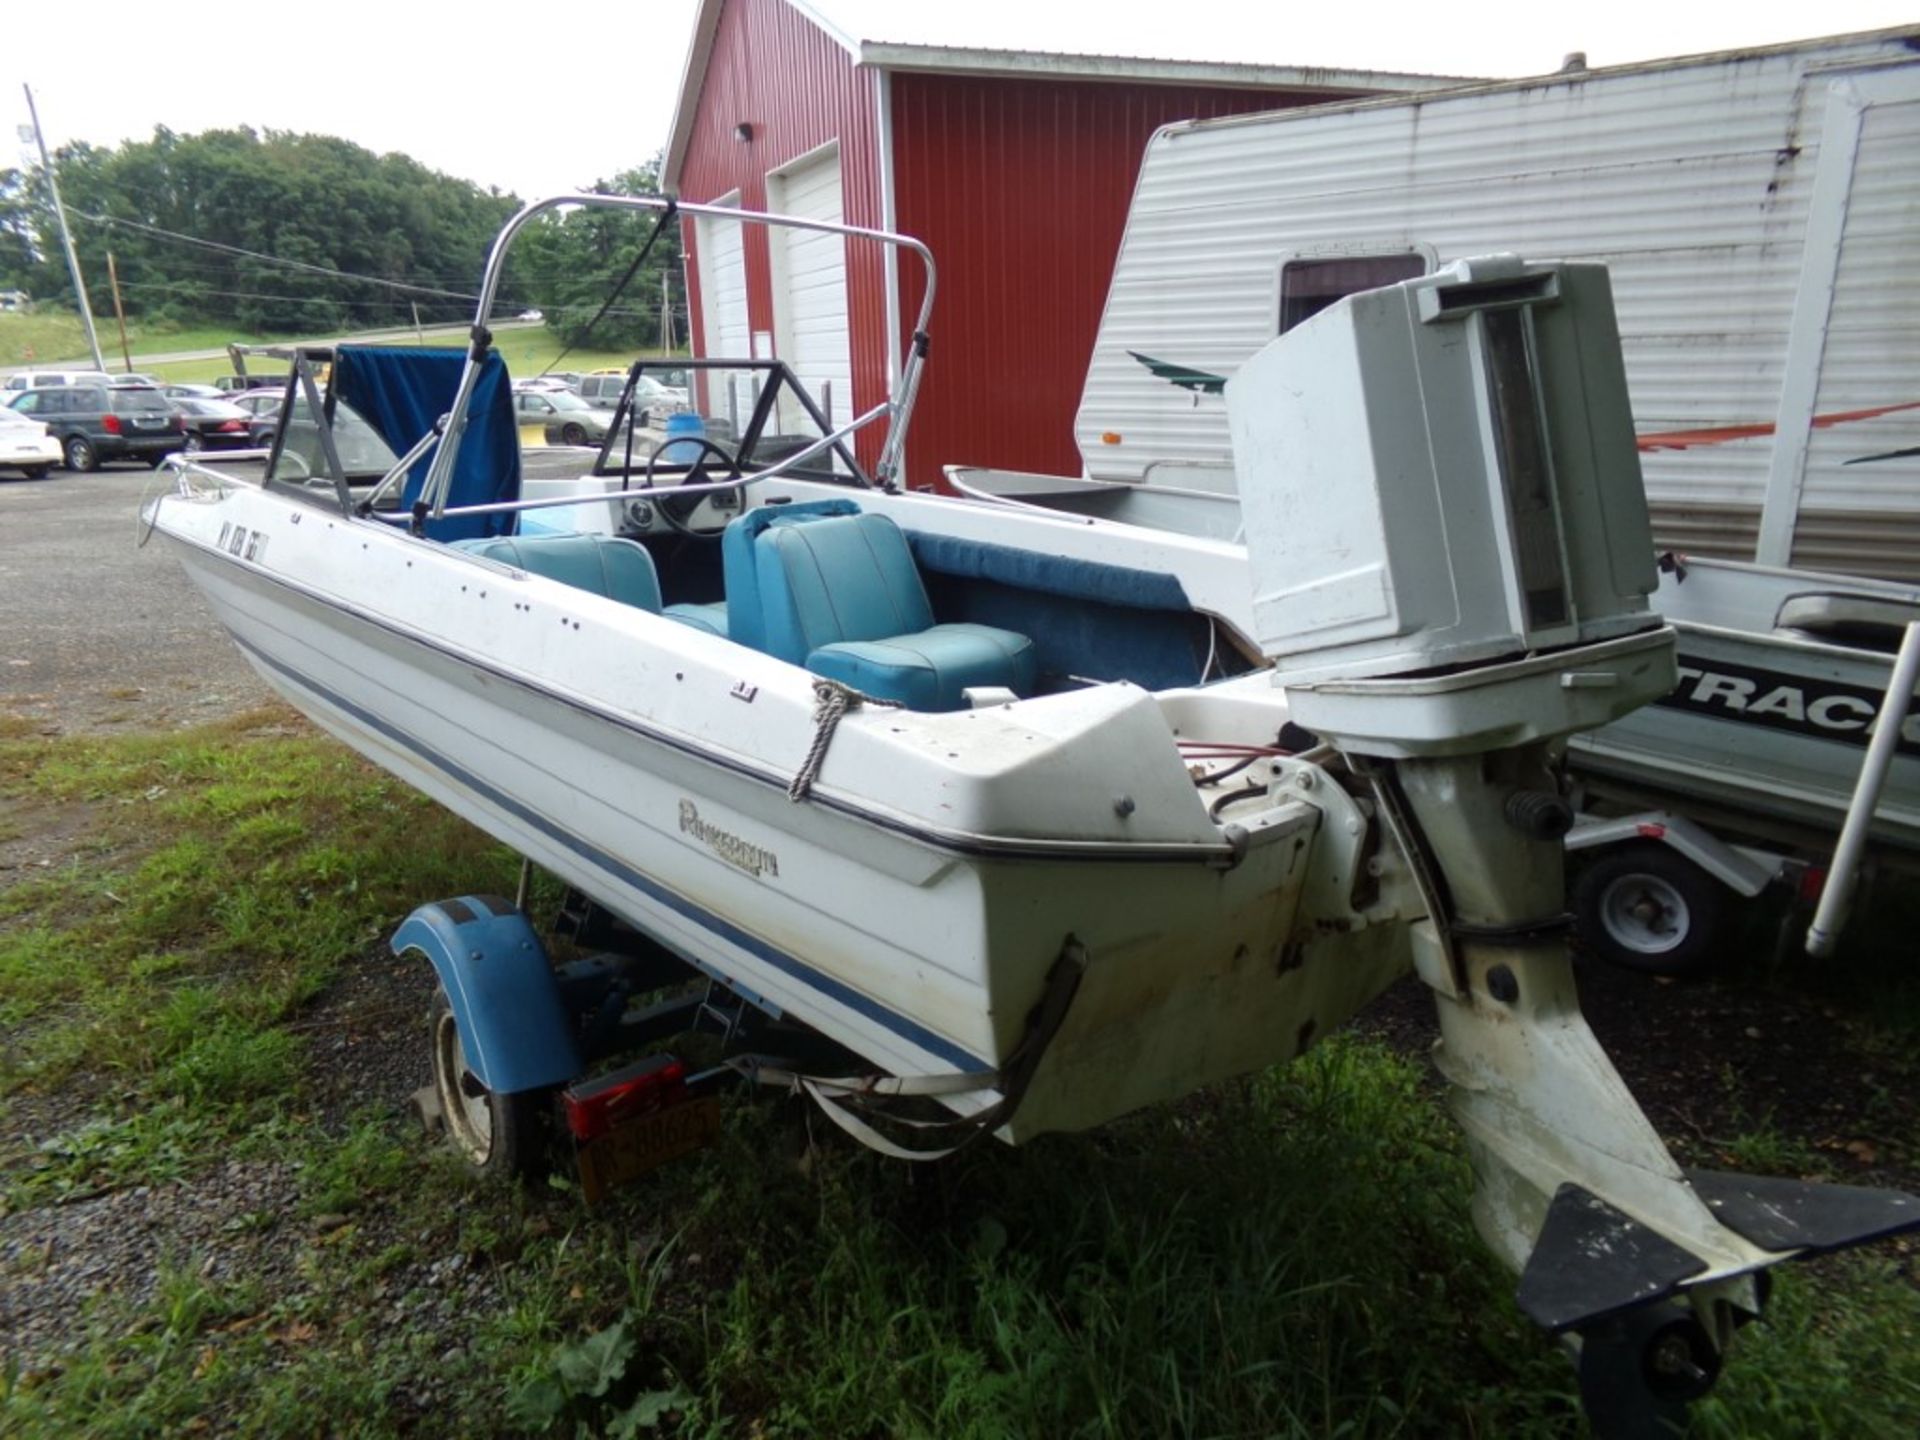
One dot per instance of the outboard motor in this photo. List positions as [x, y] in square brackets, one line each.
[1448, 539]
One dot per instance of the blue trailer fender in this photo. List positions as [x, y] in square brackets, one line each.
[505, 1000]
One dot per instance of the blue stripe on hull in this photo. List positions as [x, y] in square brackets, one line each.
[789, 965]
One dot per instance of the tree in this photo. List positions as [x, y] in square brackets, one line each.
[19, 219]
[571, 265]
[256, 203]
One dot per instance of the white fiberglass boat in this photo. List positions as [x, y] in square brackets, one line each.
[992, 799]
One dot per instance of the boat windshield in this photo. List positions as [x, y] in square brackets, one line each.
[737, 414]
[363, 454]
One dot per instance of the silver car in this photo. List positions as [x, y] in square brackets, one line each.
[566, 418]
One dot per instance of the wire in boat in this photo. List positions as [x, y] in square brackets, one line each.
[1234, 797]
[1215, 777]
[646, 249]
[1222, 749]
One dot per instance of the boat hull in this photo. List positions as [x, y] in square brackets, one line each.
[923, 952]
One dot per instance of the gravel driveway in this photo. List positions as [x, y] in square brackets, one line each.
[102, 634]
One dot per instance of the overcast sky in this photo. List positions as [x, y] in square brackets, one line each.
[546, 98]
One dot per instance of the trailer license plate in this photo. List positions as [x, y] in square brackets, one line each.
[631, 1149]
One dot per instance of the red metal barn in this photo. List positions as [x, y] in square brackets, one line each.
[1015, 167]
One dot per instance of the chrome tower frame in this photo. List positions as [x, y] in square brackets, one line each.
[898, 406]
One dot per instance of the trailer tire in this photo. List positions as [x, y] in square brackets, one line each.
[501, 1137]
[1646, 908]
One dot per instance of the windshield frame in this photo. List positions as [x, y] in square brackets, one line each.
[765, 411]
[896, 409]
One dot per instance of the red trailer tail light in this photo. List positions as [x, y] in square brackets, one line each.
[596, 1106]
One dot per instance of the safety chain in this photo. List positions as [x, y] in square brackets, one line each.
[831, 700]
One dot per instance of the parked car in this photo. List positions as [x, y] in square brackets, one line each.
[654, 401]
[662, 392]
[106, 422]
[602, 388]
[214, 424]
[531, 316]
[193, 392]
[26, 445]
[134, 377]
[263, 405]
[547, 384]
[235, 384]
[567, 419]
[45, 379]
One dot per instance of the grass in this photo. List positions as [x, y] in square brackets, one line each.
[225, 877]
[55, 340]
[1288, 1255]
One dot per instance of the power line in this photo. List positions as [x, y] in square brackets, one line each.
[275, 259]
[327, 270]
[195, 288]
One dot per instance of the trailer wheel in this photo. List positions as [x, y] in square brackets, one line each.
[500, 1136]
[1646, 908]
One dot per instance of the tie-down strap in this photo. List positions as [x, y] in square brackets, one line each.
[843, 1098]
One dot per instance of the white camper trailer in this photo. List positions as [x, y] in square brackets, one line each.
[1759, 212]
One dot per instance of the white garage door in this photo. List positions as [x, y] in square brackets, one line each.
[723, 298]
[810, 284]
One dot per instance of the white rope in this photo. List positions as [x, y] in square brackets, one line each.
[831, 700]
[145, 523]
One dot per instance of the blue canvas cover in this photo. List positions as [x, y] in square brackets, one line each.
[401, 390]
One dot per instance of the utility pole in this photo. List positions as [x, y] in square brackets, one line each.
[113, 280]
[419, 335]
[66, 236]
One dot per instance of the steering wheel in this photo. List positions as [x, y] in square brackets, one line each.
[678, 511]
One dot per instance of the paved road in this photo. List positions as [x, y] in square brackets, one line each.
[101, 634]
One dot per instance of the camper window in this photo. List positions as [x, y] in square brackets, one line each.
[1309, 286]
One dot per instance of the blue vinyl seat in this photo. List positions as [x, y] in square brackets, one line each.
[711, 617]
[843, 597]
[738, 616]
[601, 564]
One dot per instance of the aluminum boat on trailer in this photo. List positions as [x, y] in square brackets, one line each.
[1000, 803]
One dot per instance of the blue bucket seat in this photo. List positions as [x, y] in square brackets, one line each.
[603, 564]
[842, 596]
[737, 617]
